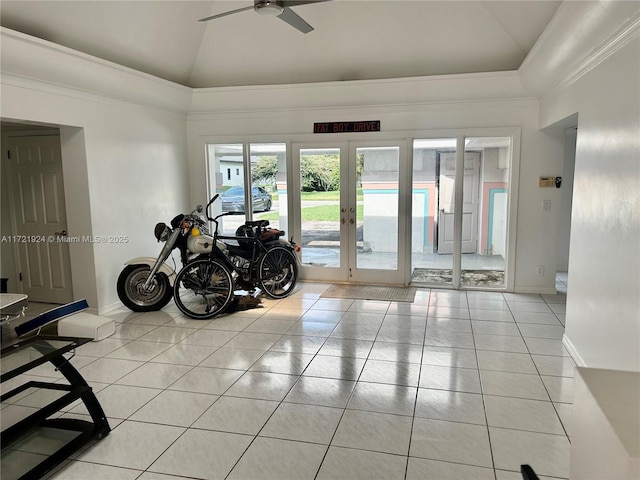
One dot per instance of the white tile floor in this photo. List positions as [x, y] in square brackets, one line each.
[455, 385]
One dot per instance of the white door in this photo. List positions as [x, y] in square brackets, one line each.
[352, 231]
[470, 206]
[40, 224]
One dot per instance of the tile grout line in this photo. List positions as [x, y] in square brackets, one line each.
[344, 410]
[484, 405]
[415, 403]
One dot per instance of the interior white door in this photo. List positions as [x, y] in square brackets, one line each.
[470, 207]
[37, 190]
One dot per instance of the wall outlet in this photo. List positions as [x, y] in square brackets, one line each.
[540, 270]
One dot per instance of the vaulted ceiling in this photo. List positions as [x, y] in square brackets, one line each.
[352, 40]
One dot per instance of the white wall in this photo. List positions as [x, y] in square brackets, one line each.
[405, 107]
[566, 200]
[124, 159]
[603, 303]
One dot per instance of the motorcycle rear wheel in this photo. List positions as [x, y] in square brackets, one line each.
[134, 297]
[203, 289]
[278, 271]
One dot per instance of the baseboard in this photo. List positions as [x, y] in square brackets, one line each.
[110, 308]
[573, 352]
[536, 290]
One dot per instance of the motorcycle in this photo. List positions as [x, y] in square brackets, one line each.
[255, 260]
[146, 283]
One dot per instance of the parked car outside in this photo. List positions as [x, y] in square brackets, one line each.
[233, 200]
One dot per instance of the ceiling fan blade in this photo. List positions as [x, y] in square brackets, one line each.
[231, 12]
[295, 3]
[293, 19]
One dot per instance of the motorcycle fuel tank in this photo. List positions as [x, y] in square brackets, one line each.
[201, 243]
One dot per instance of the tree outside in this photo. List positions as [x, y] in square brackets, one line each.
[319, 173]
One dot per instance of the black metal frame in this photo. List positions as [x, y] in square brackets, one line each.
[77, 389]
[528, 473]
[253, 254]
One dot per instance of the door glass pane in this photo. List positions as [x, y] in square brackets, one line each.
[433, 189]
[269, 183]
[376, 208]
[484, 224]
[226, 177]
[320, 206]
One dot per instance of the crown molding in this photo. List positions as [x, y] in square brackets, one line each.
[579, 37]
[35, 60]
[627, 32]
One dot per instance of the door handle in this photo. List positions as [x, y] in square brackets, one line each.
[63, 233]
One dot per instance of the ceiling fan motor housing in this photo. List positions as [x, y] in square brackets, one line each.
[267, 7]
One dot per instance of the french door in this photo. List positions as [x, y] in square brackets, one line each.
[347, 215]
[461, 211]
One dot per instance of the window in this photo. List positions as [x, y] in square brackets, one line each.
[266, 164]
[481, 244]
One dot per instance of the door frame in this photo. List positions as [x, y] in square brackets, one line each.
[65, 294]
[460, 135]
[336, 274]
[512, 203]
[347, 271]
[18, 267]
[399, 275]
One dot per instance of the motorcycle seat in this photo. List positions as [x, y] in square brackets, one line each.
[271, 234]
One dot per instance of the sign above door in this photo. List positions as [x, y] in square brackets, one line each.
[346, 127]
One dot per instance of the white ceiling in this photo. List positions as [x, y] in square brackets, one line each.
[352, 40]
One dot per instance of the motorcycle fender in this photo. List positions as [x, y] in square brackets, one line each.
[164, 268]
[283, 243]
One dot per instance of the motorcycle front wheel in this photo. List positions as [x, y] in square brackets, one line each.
[278, 272]
[135, 297]
[203, 289]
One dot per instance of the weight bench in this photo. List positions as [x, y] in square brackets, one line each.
[72, 322]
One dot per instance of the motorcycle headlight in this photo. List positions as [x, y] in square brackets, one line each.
[162, 232]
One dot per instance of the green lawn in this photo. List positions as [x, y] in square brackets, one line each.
[322, 213]
[333, 195]
[320, 196]
[317, 213]
[326, 196]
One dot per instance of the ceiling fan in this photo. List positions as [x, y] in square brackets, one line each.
[279, 8]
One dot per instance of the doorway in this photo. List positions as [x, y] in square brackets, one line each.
[446, 165]
[38, 216]
[348, 210]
